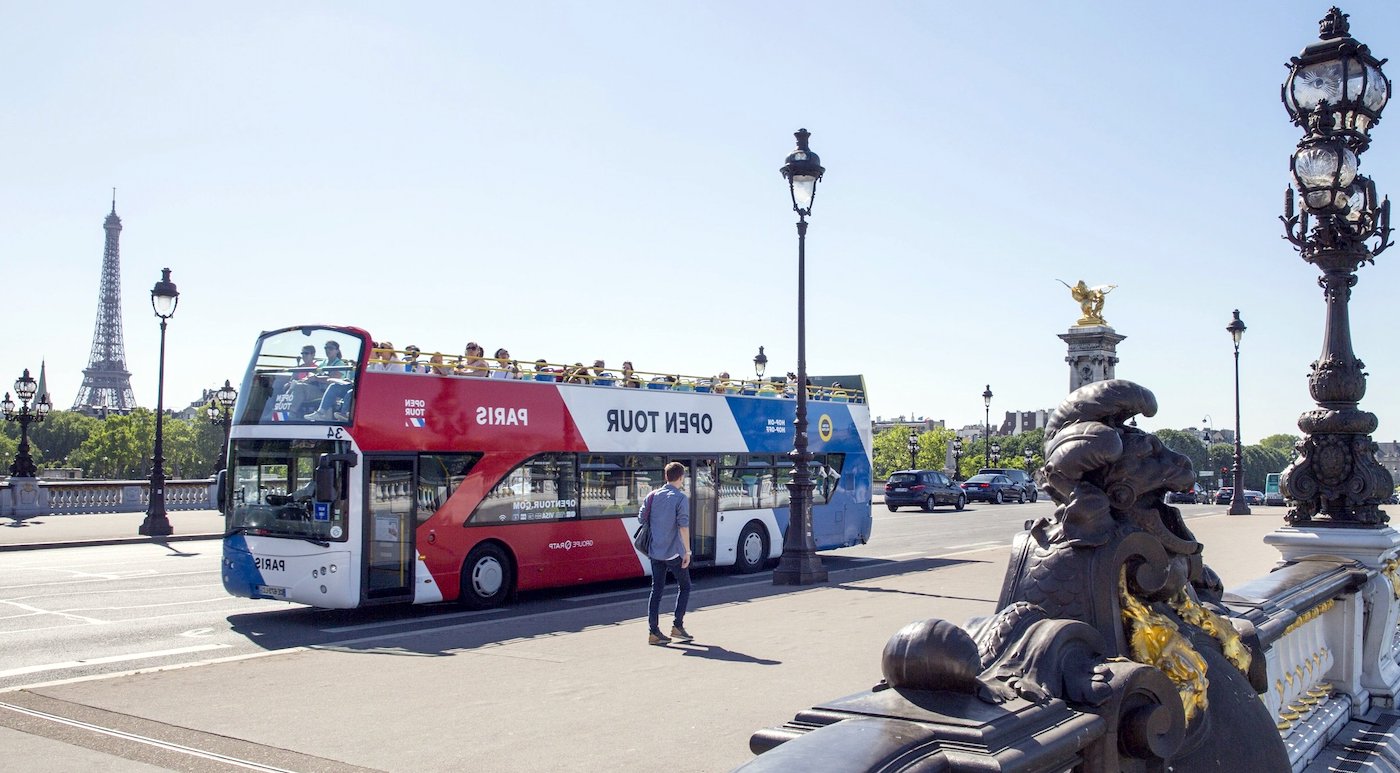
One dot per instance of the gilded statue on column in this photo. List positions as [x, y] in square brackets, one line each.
[1090, 301]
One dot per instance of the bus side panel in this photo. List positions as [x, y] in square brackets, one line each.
[551, 554]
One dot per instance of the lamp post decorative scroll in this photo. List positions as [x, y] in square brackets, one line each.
[1335, 92]
[164, 299]
[913, 449]
[220, 412]
[799, 564]
[26, 413]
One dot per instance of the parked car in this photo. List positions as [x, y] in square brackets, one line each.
[1223, 496]
[1019, 477]
[923, 488]
[1252, 497]
[992, 487]
[1187, 497]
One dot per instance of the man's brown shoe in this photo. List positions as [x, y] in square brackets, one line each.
[680, 634]
[656, 637]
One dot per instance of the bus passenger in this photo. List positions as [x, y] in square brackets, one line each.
[722, 384]
[411, 363]
[576, 375]
[505, 366]
[543, 372]
[475, 363]
[438, 365]
[629, 378]
[600, 374]
[383, 357]
[333, 378]
[667, 510]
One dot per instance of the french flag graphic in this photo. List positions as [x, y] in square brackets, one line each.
[281, 415]
[416, 422]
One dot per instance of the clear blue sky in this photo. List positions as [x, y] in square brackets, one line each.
[581, 180]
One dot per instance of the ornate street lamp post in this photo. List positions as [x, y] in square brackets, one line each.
[220, 413]
[760, 363]
[1030, 461]
[799, 564]
[164, 299]
[957, 458]
[25, 414]
[1238, 505]
[913, 449]
[1335, 93]
[994, 458]
[987, 424]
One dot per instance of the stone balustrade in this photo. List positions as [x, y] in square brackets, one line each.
[31, 497]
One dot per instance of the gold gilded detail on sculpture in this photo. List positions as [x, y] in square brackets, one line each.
[1155, 640]
[1090, 301]
[1215, 625]
[1391, 570]
[1309, 616]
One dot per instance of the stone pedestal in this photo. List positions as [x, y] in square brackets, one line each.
[1379, 551]
[1093, 353]
[27, 498]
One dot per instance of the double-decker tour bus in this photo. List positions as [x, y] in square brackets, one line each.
[360, 475]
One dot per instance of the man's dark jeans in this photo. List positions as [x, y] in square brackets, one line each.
[658, 587]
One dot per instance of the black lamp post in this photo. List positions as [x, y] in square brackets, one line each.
[1238, 505]
[25, 414]
[994, 456]
[957, 458]
[913, 450]
[1335, 93]
[164, 299]
[220, 412]
[1030, 461]
[799, 564]
[987, 424]
[760, 363]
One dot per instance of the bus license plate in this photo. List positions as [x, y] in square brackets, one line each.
[272, 592]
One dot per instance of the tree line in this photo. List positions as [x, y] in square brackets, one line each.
[891, 453]
[118, 447]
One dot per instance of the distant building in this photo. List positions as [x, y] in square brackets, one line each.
[1388, 454]
[1018, 422]
[919, 424]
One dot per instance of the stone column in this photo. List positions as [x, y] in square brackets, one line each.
[1093, 353]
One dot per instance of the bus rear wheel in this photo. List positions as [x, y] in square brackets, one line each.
[752, 549]
[487, 577]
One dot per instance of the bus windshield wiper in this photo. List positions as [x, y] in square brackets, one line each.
[237, 530]
[311, 539]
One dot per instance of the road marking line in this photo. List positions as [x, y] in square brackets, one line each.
[167, 745]
[38, 611]
[109, 659]
[973, 545]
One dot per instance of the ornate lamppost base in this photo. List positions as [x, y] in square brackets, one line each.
[799, 569]
[155, 526]
[1336, 479]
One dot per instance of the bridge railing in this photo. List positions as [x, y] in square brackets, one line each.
[30, 497]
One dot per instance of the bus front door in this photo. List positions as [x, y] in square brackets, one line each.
[704, 482]
[388, 529]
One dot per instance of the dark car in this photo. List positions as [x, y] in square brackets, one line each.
[992, 487]
[1252, 497]
[1019, 477]
[1187, 497]
[1223, 496]
[923, 488]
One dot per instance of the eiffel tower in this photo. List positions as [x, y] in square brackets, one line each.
[106, 385]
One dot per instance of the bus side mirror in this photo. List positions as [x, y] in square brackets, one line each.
[328, 475]
[220, 492]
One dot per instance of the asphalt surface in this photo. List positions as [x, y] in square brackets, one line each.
[568, 690]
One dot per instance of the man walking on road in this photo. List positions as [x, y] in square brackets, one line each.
[667, 509]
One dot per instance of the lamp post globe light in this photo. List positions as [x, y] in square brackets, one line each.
[1238, 505]
[26, 413]
[799, 564]
[220, 412]
[164, 299]
[1335, 92]
[957, 458]
[913, 450]
[987, 423]
[760, 363]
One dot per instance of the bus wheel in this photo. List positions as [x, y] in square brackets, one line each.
[487, 577]
[752, 550]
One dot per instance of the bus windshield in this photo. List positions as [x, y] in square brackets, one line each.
[274, 483]
[301, 375]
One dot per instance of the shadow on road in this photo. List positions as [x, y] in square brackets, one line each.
[716, 652]
[446, 629]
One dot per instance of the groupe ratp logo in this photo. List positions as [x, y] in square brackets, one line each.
[570, 544]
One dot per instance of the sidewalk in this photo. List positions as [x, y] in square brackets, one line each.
[577, 690]
[56, 531]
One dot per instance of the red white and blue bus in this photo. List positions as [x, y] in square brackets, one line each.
[373, 482]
